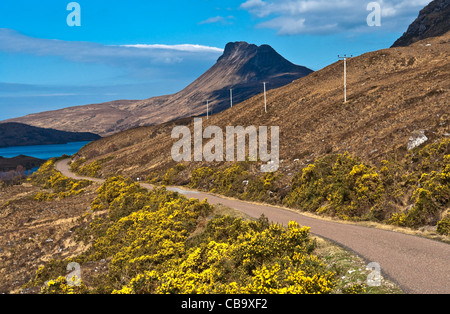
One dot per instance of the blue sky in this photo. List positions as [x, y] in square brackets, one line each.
[137, 49]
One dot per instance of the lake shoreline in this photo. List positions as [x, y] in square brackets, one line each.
[43, 152]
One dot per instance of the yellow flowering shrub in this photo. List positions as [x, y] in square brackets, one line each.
[146, 238]
[342, 186]
[397, 219]
[337, 185]
[431, 196]
[443, 226]
[161, 245]
[261, 188]
[229, 180]
[170, 176]
[355, 289]
[89, 170]
[62, 286]
[201, 177]
[61, 187]
[242, 180]
[76, 164]
[258, 258]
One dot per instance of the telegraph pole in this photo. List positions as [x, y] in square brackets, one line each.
[345, 58]
[265, 97]
[207, 110]
[231, 97]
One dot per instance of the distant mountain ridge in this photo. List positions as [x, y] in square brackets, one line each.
[433, 21]
[243, 67]
[18, 134]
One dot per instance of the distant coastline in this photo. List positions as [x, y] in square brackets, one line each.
[26, 163]
[18, 134]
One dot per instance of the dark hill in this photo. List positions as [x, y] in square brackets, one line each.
[17, 134]
[11, 164]
[433, 21]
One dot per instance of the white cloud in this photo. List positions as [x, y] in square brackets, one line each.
[286, 25]
[218, 19]
[129, 56]
[256, 7]
[135, 71]
[212, 20]
[290, 17]
[184, 47]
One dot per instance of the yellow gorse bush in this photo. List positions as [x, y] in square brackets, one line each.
[342, 186]
[410, 190]
[160, 244]
[62, 286]
[429, 174]
[89, 170]
[258, 258]
[337, 185]
[60, 186]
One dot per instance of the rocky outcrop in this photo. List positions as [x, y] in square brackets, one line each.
[418, 138]
[433, 21]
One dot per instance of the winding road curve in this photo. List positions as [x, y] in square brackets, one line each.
[417, 265]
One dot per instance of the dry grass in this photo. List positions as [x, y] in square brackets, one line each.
[353, 269]
[33, 233]
[392, 93]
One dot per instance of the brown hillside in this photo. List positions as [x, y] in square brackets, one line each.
[89, 118]
[392, 94]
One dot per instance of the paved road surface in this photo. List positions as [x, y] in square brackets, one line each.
[418, 265]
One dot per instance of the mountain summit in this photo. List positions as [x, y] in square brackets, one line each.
[259, 63]
[243, 67]
[433, 21]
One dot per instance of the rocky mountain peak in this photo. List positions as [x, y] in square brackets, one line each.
[240, 49]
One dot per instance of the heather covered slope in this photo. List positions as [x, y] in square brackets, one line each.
[392, 95]
[382, 157]
[90, 118]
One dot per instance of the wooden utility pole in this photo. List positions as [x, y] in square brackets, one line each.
[231, 97]
[345, 58]
[265, 97]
